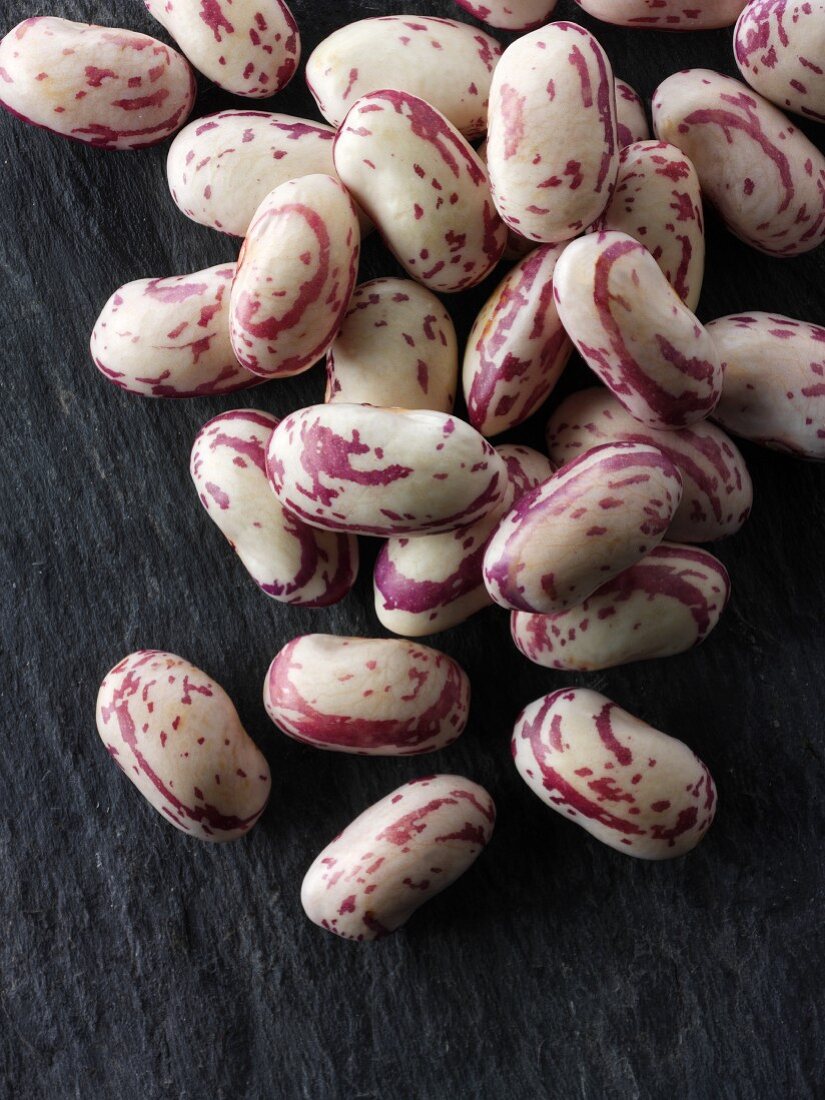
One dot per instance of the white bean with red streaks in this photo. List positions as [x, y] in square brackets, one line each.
[658, 202]
[296, 273]
[396, 347]
[175, 734]
[288, 560]
[595, 517]
[370, 696]
[510, 15]
[630, 786]
[517, 348]
[170, 337]
[248, 47]
[373, 471]
[634, 331]
[765, 178]
[425, 188]
[779, 46]
[665, 15]
[666, 603]
[774, 387]
[526, 467]
[631, 118]
[396, 855]
[447, 63]
[717, 488]
[111, 88]
[552, 147]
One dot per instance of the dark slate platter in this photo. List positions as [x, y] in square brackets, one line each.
[137, 964]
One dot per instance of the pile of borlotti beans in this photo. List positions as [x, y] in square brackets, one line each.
[592, 549]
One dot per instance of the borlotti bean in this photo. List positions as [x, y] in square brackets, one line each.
[664, 604]
[552, 147]
[631, 786]
[288, 560]
[447, 63]
[170, 337]
[176, 735]
[510, 15]
[631, 118]
[248, 47]
[396, 855]
[774, 388]
[595, 517]
[371, 696]
[516, 246]
[374, 471]
[517, 348]
[296, 273]
[425, 188]
[779, 46]
[110, 88]
[717, 489]
[765, 178]
[634, 331]
[396, 347]
[428, 584]
[658, 202]
[666, 15]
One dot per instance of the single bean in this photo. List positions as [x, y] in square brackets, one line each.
[396, 347]
[371, 696]
[510, 15]
[634, 331]
[376, 471]
[396, 855]
[779, 46]
[176, 735]
[517, 246]
[665, 15]
[631, 118]
[765, 178]
[595, 517]
[110, 88]
[425, 188]
[526, 468]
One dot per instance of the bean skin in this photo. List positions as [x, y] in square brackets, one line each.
[666, 15]
[510, 15]
[631, 119]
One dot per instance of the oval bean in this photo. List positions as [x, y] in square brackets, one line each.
[634, 331]
[396, 347]
[552, 147]
[447, 63]
[376, 471]
[631, 118]
[510, 15]
[665, 15]
[779, 46]
[664, 604]
[764, 177]
[396, 855]
[106, 87]
[595, 517]
[425, 188]
[526, 468]
[176, 735]
[371, 696]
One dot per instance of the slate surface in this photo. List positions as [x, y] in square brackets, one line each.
[136, 965]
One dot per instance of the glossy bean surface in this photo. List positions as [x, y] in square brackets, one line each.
[665, 15]
[779, 46]
[631, 117]
[510, 15]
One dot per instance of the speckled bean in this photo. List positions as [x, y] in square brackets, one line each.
[288, 560]
[447, 63]
[717, 488]
[296, 273]
[664, 604]
[779, 47]
[396, 347]
[631, 118]
[634, 331]
[428, 584]
[665, 15]
[370, 696]
[385, 472]
[170, 337]
[631, 786]
[552, 148]
[396, 855]
[110, 88]
[248, 47]
[517, 348]
[774, 387]
[425, 188]
[510, 15]
[176, 735]
[595, 517]
[765, 178]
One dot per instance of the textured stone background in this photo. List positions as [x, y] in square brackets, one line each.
[135, 964]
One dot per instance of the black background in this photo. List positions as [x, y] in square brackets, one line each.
[137, 964]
